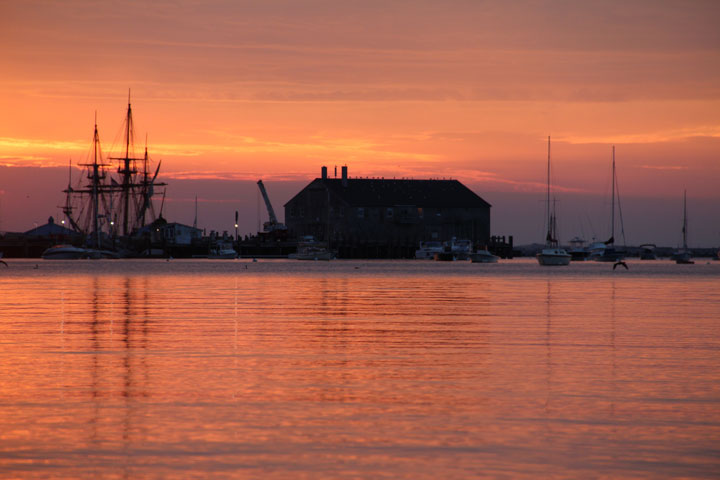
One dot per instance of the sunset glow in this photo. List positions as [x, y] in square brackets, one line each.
[461, 89]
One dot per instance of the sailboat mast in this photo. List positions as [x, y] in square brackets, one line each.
[684, 230]
[549, 235]
[612, 201]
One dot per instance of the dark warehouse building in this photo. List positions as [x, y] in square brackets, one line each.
[383, 218]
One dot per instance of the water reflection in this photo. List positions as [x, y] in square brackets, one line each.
[211, 370]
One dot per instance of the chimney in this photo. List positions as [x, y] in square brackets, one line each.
[344, 176]
[324, 173]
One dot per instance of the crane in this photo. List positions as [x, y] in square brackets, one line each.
[271, 225]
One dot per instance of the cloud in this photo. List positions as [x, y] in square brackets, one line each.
[35, 144]
[27, 161]
[236, 176]
[664, 167]
[675, 135]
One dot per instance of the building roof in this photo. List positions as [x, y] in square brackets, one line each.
[161, 223]
[50, 229]
[367, 192]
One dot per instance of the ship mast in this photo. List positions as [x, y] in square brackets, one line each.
[132, 187]
[146, 185]
[95, 174]
[68, 208]
[127, 170]
[612, 201]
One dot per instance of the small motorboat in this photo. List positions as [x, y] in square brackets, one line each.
[223, 251]
[310, 249]
[483, 256]
[553, 256]
[428, 250]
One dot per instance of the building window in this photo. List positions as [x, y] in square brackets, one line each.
[389, 212]
[420, 212]
[361, 212]
[302, 211]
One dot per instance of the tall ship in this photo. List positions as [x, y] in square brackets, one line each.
[113, 199]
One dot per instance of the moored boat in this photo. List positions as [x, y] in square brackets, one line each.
[309, 249]
[222, 251]
[427, 250]
[69, 252]
[312, 253]
[610, 253]
[647, 252]
[460, 248]
[578, 250]
[552, 254]
[683, 255]
[553, 257]
[483, 256]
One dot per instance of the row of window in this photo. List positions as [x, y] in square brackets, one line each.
[361, 212]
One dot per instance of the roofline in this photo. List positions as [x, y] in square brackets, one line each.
[323, 180]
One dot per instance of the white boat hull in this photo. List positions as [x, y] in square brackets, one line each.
[68, 252]
[554, 257]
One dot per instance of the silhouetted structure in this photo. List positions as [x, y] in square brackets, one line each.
[32, 243]
[383, 218]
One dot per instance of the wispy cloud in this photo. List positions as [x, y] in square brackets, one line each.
[237, 176]
[665, 167]
[316, 146]
[493, 179]
[27, 161]
[35, 144]
[676, 135]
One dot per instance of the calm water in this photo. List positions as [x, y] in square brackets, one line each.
[418, 370]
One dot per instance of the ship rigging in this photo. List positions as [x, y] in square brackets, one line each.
[103, 206]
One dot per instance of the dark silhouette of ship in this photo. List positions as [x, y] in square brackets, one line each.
[109, 206]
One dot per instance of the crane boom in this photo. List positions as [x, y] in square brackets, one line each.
[272, 225]
[271, 212]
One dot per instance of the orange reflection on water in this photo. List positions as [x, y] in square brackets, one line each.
[357, 370]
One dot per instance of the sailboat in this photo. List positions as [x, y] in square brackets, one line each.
[682, 256]
[609, 253]
[552, 254]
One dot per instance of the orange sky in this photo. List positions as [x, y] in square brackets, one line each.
[462, 89]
